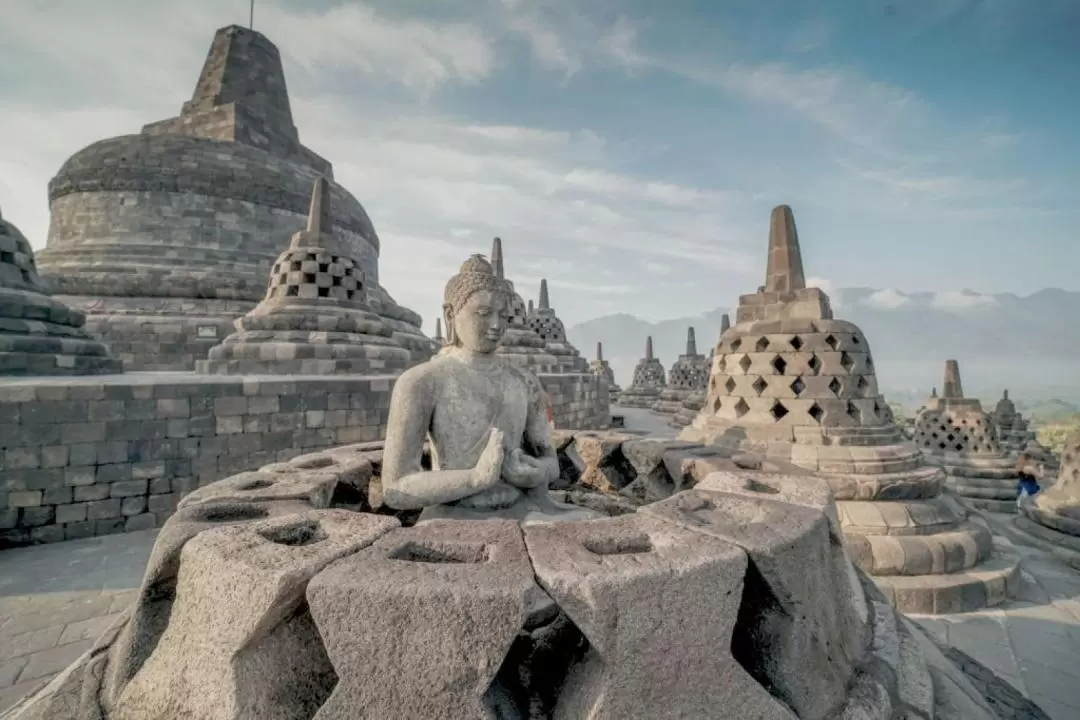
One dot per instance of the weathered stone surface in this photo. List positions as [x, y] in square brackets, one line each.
[670, 588]
[1058, 507]
[40, 335]
[314, 488]
[418, 624]
[799, 621]
[240, 642]
[606, 468]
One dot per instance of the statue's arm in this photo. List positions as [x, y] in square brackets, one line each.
[405, 484]
[538, 442]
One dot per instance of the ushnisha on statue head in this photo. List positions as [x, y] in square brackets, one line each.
[474, 307]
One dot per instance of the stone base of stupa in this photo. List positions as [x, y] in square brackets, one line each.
[1042, 529]
[670, 401]
[919, 546]
[983, 483]
[691, 406]
[307, 341]
[41, 335]
[639, 397]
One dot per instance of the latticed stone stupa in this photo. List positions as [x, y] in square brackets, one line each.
[165, 237]
[545, 323]
[954, 432]
[648, 381]
[40, 335]
[602, 367]
[520, 344]
[689, 374]
[1054, 515]
[1012, 429]
[792, 382]
[315, 318]
[695, 400]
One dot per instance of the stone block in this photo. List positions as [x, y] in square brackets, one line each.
[24, 498]
[312, 486]
[246, 652]
[83, 493]
[36, 516]
[53, 456]
[669, 588]
[109, 526]
[144, 521]
[78, 530]
[103, 509]
[22, 458]
[47, 534]
[87, 432]
[461, 586]
[56, 495]
[133, 505]
[113, 473]
[74, 513]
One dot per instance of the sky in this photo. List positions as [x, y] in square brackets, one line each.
[629, 151]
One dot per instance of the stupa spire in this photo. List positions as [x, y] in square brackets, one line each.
[320, 223]
[725, 323]
[784, 271]
[691, 342]
[531, 309]
[1006, 395]
[952, 387]
[648, 348]
[438, 330]
[600, 352]
[497, 258]
[545, 304]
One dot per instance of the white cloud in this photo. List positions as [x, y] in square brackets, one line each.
[834, 293]
[888, 299]
[961, 300]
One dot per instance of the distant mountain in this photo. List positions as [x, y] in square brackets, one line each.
[1030, 345]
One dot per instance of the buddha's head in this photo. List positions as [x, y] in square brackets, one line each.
[474, 307]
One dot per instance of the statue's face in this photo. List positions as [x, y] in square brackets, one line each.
[479, 324]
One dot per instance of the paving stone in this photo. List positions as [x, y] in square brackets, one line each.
[51, 661]
[10, 669]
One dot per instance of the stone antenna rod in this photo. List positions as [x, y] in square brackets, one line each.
[497, 258]
[784, 270]
[952, 388]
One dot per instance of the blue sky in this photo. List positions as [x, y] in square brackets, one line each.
[628, 153]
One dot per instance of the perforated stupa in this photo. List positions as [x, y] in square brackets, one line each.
[520, 344]
[163, 238]
[689, 374]
[545, 323]
[600, 366]
[40, 335]
[315, 318]
[792, 382]
[694, 401]
[648, 381]
[1055, 513]
[954, 432]
[1012, 428]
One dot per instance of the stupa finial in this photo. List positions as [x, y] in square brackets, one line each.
[438, 329]
[545, 304]
[320, 224]
[497, 258]
[691, 342]
[933, 392]
[648, 348]
[600, 352]
[952, 387]
[784, 271]
[725, 323]
[1006, 396]
[530, 307]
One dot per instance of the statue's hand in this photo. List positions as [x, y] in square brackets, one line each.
[526, 472]
[489, 466]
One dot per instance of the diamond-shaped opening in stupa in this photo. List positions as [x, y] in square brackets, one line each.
[730, 385]
[861, 384]
[835, 386]
[745, 362]
[736, 344]
[779, 364]
[814, 364]
[778, 411]
[853, 412]
[816, 412]
[797, 386]
[846, 362]
[831, 341]
[760, 385]
[796, 343]
[741, 408]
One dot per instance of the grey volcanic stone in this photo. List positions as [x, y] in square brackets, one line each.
[417, 625]
[240, 642]
[676, 594]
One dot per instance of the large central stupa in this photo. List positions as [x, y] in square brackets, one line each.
[165, 237]
[790, 381]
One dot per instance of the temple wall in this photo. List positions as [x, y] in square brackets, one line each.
[578, 401]
[94, 456]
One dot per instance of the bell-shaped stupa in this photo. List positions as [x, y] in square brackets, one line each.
[163, 238]
[40, 335]
[545, 323]
[602, 367]
[792, 382]
[689, 374]
[1058, 507]
[695, 400]
[520, 344]
[315, 318]
[648, 381]
[1012, 429]
[954, 432]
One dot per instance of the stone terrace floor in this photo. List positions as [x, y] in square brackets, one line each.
[56, 599]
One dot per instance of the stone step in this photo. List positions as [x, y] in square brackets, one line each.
[948, 552]
[1005, 507]
[985, 585]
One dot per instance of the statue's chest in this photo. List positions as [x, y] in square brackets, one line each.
[470, 403]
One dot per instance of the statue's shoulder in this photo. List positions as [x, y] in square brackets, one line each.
[424, 376]
[527, 377]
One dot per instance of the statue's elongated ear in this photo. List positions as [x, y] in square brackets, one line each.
[448, 320]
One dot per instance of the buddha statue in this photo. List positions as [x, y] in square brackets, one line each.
[491, 449]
